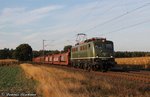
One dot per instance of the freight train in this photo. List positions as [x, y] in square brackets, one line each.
[94, 53]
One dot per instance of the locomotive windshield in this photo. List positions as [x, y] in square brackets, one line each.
[104, 49]
[104, 46]
[108, 46]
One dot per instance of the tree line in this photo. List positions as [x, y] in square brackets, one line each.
[123, 54]
[24, 52]
[6, 53]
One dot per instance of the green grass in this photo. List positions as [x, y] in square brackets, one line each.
[13, 80]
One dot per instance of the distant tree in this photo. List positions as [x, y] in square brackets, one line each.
[56, 52]
[121, 54]
[36, 54]
[68, 47]
[14, 55]
[4, 53]
[11, 53]
[23, 52]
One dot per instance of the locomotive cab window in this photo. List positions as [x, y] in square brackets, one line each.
[106, 46]
[109, 46]
[99, 46]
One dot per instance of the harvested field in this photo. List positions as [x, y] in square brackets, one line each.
[61, 82]
[8, 62]
[143, 61]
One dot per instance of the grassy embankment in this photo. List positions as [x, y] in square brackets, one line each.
[143, 62]
[13, 80]
[58, 82]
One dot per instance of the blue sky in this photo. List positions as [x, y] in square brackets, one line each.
[58, 22]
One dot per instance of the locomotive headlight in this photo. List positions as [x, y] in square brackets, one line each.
[97, 56]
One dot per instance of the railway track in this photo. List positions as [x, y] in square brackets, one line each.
[142, 72]
[127, 76]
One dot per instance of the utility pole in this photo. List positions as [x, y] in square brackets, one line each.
[43, 50]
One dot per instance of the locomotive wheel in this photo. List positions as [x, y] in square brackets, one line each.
[89, 68]
[102, 68]
[105, 68]
[73, 65]
[85, 66]
[81, 65]
[95, 67]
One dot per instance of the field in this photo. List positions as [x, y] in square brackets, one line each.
[142, 61]
[55, 81]
[61, 82]
[13, 80]
[8, 62]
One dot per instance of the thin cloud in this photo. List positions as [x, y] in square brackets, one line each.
[11, 11]
[61, 23]
[20, 16]
[36, 14]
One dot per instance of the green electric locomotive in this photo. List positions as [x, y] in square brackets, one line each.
[95, 53]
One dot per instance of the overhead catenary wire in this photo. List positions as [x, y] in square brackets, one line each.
[89, 13]
[117, 17]
[127, 27]
[85, 17]
[92, 9]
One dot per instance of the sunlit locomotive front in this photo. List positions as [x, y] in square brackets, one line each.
[95, 53]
